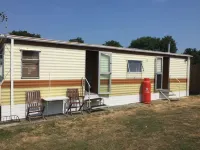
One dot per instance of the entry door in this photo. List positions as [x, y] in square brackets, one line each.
[166, 63]
[105, 70]
[158, 73]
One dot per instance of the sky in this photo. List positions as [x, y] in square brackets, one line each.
[97, 21]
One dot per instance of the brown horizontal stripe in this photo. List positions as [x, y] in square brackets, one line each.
[123, 81]
[176, 81]
[129, 81]
[60, 83]
[41, 83]
[139, 81]
[104, 82]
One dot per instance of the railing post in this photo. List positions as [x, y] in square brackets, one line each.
[88, 84]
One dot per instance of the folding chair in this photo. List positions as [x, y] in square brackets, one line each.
[76, 102]
[34, 105]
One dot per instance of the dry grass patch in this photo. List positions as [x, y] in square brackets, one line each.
[157, 126]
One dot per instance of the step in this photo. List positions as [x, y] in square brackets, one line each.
[94, 99]
[164, 90]
[91, 97]
[172, 94]
[174, 99]
[168, 94]
[98, 106]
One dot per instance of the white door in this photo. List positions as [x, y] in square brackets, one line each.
[105, 71]
[158, 73]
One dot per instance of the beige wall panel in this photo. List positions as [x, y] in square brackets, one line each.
[175, 86]
[127, 89]
[178, 68]
[60, 63]
[19, 93]
[119, 66]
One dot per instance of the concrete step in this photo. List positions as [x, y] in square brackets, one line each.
[165, 90]
[171, 94]
[174, 99]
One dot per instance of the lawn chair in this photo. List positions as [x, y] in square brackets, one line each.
[76, 102]
[34, 105]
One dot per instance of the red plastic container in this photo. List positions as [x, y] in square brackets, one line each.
[146, 91]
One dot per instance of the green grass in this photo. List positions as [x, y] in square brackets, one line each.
[5, 134]
[162, 126]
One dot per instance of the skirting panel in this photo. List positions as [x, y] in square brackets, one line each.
[181, 93]
[128, 99]
[18, 110]
[56, 107]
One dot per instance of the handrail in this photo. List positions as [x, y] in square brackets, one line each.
[89, 86]
[88, 83]
[179, 86]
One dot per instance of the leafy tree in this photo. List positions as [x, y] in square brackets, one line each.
[112, 43]
[3, 17]
[155, 44]
[146, 43]
[78, 39]
[25, 33]
[164, 43]
[195, 53]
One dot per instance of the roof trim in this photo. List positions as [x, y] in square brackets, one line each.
[42, 40]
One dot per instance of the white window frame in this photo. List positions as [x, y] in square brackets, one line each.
[128, 69]
[30, 59]
[158, 73]
[104, 73]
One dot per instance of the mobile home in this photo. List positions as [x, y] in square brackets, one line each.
[115, 74]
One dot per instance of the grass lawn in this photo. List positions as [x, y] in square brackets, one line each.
[174, 126]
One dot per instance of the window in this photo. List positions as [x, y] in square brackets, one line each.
[134, 66]
[30, 64]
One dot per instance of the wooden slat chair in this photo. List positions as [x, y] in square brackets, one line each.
[34, 105]
[75, 101]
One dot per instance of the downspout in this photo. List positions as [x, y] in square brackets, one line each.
[188, 77]
[11, 76]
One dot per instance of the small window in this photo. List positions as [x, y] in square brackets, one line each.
[134, 66]
[30, 64]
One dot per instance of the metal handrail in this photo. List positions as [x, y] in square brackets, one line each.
[179, 86]
[88, 83]
[89, 86]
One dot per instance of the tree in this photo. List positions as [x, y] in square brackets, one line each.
[195, 53]
[3, 17]
[155, 44]
[146, 43]
[164, 43]
[78, 39]
[112, 43]
[25, 33]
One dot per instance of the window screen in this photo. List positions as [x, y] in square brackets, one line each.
[134, 66]
[30, 64]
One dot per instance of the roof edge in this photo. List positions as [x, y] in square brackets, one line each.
[43, 40]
